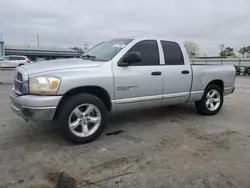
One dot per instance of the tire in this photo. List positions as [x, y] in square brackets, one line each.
[69, 113]
[20, 65]
[202, 106]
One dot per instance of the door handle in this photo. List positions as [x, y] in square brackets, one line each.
[185, 72]
[157, 73]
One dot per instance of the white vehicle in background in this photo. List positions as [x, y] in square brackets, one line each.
[13, 61]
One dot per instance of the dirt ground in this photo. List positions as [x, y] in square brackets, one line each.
[158, 148]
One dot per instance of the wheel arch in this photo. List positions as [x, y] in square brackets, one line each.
[97, 91]
[219, 83]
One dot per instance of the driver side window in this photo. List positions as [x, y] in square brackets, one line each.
[149, 52]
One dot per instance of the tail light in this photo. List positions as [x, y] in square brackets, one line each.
[28, 61]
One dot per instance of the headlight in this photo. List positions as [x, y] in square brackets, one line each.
[44, 85]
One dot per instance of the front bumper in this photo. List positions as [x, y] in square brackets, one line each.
[228, 90]
[33, 107]
[233, 90]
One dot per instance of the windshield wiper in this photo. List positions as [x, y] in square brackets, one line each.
[89, 56]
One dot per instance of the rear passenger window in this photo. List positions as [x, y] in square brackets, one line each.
[149, 52]
[172, 53]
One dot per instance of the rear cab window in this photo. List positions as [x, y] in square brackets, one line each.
[172, 53]
[149, 52]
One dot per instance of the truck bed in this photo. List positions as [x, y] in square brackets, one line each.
[203, 74]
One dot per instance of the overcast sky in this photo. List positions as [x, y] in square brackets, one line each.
[67, 23]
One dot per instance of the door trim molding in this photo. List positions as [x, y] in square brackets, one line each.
[149, 98]
[175, 95]
[196, 92]
[137, 99]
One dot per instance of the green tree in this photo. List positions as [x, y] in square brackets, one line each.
[227, 52]
[248, 51]
[243, 51]
[223, 53]
[78, 49]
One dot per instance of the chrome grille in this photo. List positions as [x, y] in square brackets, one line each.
[18, 83]
[19, 76]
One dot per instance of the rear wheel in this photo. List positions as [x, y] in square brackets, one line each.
[20, 64]
[82, 118]
[211, 102]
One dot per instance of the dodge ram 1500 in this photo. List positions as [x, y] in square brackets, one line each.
[116, 75]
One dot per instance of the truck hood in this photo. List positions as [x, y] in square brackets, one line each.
[57, 65]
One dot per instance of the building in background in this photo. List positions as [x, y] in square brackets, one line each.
[40, 52]
[34, 52]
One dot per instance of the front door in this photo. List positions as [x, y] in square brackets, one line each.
[140, 84]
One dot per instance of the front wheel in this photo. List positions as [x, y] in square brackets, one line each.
[82, 118]
[211, 102]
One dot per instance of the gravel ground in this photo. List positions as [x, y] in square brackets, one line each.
[164, 147]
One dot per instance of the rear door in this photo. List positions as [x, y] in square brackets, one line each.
[177, 75]
[140, 84]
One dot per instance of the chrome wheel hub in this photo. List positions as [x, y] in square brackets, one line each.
[213, 100]
[84, 120]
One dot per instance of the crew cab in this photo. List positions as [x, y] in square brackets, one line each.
[113, 76]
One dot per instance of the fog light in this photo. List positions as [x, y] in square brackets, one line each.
[233, 89]
[27, 113]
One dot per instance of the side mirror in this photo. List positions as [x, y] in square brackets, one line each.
[129, 58]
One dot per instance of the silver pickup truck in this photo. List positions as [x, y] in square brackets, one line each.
[116, 75]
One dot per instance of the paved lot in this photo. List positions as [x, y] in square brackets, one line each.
[165, 147]
[6, 75]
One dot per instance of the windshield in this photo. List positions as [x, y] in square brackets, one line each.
[105, 51]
